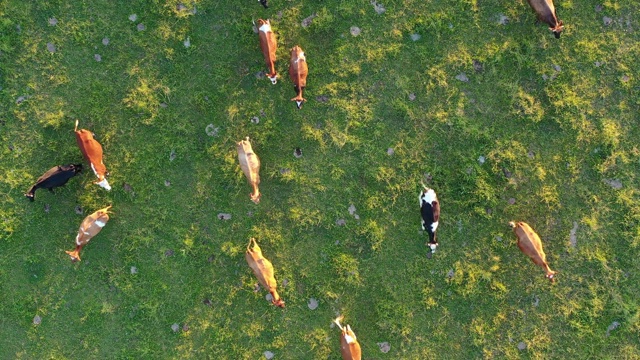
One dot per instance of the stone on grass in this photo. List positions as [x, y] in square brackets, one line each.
[167, 183]
[384, 347]
[127, 187]
[269, 297]
[207, 302]
[37, 320]
[312, 304]
[168, 253]
[450, 273]
[614, 325]
[355, 31]
[511, 201]
[412, 97]
[503, 20]
[268, 355]
[255, 120]
[297, 153]
[175, 327]
[322, 98]
[47, 208]
[352, 209]
[134, 270]
[20, 99]
[285, 171]
[379, 8]
[307, 21]
[133, 17]
[607, 20]
[573, 239]
[187, 42]
[97, 57]
[415, 37]
[224, 216]
[614, 183]
[140, 27]
[598, 8]
[53, 21]
[172, 155]
[477, 66]
[341, 222]
[625, 78]
[390, 151]
[481, 159]
[462, 77]
[211, 130]
[185, 327]
[78, 209]
[105, 41]
[51, 47]
[531, 154]
[522, 345]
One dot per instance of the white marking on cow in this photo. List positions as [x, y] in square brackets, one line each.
[94, 170]
[100, 223]
[299, 103]
[429, 196]
[86, 233]
[433, 247]
[265, 28]
[434, 226]
[78, 239]
[349, 339]
[104, 183]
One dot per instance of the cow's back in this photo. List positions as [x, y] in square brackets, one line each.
[530, 244]
[545, 10]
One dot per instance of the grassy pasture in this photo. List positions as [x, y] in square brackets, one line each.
[544, 131]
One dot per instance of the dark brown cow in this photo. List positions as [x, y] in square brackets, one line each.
[263, 270]
[546, 12]
[349, 346]
[530, 244]
[268, 45]
[92, 151]
[298, 73]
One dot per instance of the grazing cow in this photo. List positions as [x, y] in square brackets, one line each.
[298, 72]
[250, 164]
[546, 13]
[263, 270]
[55, 177]
[349, 346]
[90, 227]
[92, 151]
[268, 45]
[430, 211]
[530, 244]
[264, 3]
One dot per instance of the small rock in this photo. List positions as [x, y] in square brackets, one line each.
[269, 297]
[614, 325]
[488, 211]
[164, 105]
[207, 302]
[545, 77]
[598, 8]
[625, 78]
[498, 237]
[53, 21]
[224, 216]
[18, 29]
[557, 67]
[598, 64]
[511, 201]
[172, 155]
[352, 209]
[536, 301]
[462, 77]
[78, 209]
[20, 99]
[134, 270]
[181, 7]
[127, 187]
[175, 327]
[390, 151]
[51, 47]
[415, 37]
[450, 274]
[312, 304]
[268, 355]
[607, 20]
[105, 41]
[379, 8]
[133, 17]
[427, 177]
[322, 98]
[412, 97]
[341, 222]
[573, 239]
[211, 258]
[97, 57]
[140, 27]
[522, 345]
[506, 173]
[255, 120]
[185, 327]
[531, 154]
[211, 130]
[260, 75]
[285, 171]
[503, 20]
[187, 42]
[384, 347]
[355, 31]
[167, 183]
[37, 320]
[47, 208]
[168, 253]
[477, 66]
[297, 153]
[481, 159]
[307, 21]
[614, 183]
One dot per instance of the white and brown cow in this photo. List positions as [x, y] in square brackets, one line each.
[546, 12]
[250, 164]
[530, 244]
[90, 227]
[298, 72]
[263, 270]
[92, 151]
[268, 45]
[349, 346]
[430, 211]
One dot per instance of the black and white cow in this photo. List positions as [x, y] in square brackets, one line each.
[430, 211]
[55, 177]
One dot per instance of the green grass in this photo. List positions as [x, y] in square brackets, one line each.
[551, 140]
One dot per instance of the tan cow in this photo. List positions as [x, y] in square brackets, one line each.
[250, 164]
[349, 346]
[92, 151]
[268, 45]
[90, 227]
[263, 270]
[530, 244]
[298, 72]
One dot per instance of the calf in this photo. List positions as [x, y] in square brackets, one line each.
[90, 227]
[349, 346]
[530, 244]
[55, 177]
[263, 270]
[92, 151]
[268, 45]
[430, 211]
[546, 12]
[298, 72]
[250, 164]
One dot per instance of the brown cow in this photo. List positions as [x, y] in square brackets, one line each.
[250, 164]
[349, 346]
[298, 72]
[263, 270]
[92, 151]
[90, 227]
[268, 45]
[546, 12]
[530, 244]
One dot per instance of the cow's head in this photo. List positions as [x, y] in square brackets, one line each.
[77, 168]
[256, 197]
[102, 216]
[551, 275]
[557, 29]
